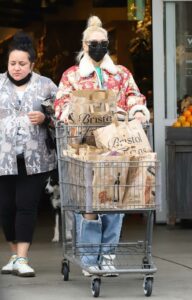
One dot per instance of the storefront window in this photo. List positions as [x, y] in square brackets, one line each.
[184, 49]
[178, 57]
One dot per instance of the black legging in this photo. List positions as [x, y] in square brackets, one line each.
[19, 199]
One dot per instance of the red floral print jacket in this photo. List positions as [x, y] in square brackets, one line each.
[115, 77]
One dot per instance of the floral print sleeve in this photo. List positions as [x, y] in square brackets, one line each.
[129, 94]
[65, 88]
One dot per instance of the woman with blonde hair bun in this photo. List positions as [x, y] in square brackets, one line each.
[96, 70]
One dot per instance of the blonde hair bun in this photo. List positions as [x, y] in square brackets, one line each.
[94, 24]
[94, 21]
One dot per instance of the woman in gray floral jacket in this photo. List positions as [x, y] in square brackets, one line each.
[25, 155]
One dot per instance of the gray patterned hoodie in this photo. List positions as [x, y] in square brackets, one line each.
[38, 158]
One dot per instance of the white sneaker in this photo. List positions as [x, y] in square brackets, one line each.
[21, 268]
[107, 264]
[90, 270]
[8, 268]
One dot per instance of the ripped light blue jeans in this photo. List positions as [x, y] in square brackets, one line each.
[100, 236]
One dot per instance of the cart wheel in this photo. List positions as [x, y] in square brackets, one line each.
[148, 286]
[95, 287]
[65, 271]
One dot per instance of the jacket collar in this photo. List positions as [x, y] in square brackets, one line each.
[86, 67]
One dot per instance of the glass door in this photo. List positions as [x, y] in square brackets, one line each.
[172, 68]
[178, 55]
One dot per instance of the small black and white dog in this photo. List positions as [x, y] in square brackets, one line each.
[52, 188]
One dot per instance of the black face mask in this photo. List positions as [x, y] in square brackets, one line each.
[21, 81]
[97, 52]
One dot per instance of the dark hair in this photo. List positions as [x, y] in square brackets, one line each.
[22, 41]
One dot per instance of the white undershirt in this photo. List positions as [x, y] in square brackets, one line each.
[20, 94]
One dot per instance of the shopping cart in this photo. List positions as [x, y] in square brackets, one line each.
[79, 195]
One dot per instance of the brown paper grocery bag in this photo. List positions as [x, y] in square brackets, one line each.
[109, 180]
[140, 184]
[92, 106]
[127, 137]
[107, 177]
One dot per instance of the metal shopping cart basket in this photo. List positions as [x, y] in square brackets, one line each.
[79, 194]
